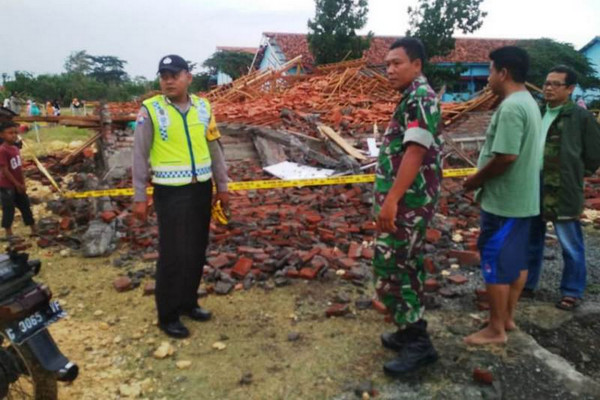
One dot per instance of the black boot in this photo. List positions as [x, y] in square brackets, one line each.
[396, 340]
[417, 352]
[175, 329]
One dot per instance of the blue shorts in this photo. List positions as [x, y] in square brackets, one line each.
[503, 246]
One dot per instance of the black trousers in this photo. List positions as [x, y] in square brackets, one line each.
[10, 199]
[183, 225]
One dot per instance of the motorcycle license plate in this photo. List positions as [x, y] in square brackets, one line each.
[22, 330]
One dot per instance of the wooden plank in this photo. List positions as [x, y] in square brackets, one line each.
[40, 166]
[337, 139]
[69, 158]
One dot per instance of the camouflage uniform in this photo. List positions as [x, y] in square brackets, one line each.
[571, 151]
[398, 258]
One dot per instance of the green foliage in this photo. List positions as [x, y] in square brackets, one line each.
[200, 83]
[78, 63]
[332, 33]
[434, 23]
[233, 63]
[87, 77]
[547, 53]
[108, 69]
[64, 87]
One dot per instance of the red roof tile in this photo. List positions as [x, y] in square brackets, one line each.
[292, 45]
[251, 50]
[472, 50]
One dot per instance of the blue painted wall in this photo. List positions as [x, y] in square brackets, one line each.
[473, 79]
[593, 54]
[273, 58]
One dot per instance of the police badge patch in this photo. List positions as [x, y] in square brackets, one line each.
[142, 116]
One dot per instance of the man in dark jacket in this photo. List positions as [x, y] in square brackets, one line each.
[571, 150]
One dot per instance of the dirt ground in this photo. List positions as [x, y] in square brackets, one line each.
[276, 343]
[112, 336]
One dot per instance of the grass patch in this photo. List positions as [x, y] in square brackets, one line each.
[594, 288]
[53, 138]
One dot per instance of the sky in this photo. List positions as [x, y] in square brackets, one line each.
[38, 35]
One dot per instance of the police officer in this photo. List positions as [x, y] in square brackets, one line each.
[176, 137]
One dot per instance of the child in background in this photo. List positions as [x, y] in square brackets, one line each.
[13, 192]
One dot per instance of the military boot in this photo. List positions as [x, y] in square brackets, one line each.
[397, 340]
[417, 351]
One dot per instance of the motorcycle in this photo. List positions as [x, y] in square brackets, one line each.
[30, 361]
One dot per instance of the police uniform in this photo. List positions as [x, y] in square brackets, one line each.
[180, 145]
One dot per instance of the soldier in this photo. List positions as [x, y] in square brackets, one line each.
[406, 190]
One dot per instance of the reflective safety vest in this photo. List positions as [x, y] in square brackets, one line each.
[179, 150]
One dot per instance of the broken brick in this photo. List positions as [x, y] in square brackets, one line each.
[483, 376]
[149, 288]
[465, 257]
[458, 279]
[66, 223]
[593, 203]
[292, 273]
[379, 306]
[309, 273]
[447, 292]
[368, 253]
[218, 262]
[123, 284]
[242, 267]
[153, 256]
[337, 310]
[346, 263]
[108, 216]
[313, 218]
[318, 262]
[44, 242]
[251, 250]
[433, 235]
[355, 250]
[431, 285]
[429, 266]
[368, 226]
[471, 245]
[306, 257]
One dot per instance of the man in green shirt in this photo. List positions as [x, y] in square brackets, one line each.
[570, 144]
[508, 190]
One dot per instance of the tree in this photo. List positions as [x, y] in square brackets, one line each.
[434, 23]
[108, 69]
[200, 82]
[78, 62]
[332, 33]
[233, 63]
[547, 53]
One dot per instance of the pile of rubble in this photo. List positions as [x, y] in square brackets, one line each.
[273, 236]
[350, 96]
[279, 234]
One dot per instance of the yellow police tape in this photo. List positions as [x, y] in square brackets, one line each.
[271, 184]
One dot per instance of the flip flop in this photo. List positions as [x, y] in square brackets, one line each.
[568, 303]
